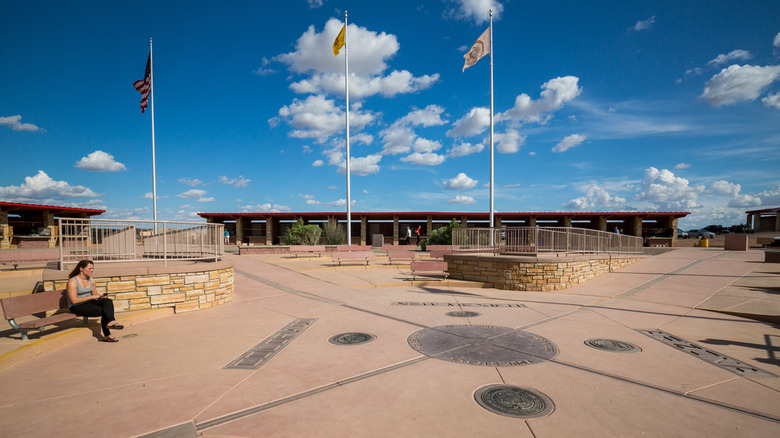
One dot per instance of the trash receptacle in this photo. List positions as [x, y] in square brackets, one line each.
[377, 240]
[704, 243]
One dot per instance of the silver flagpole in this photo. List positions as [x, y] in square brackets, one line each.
[346, 97]
[154, 164]
[491, 128]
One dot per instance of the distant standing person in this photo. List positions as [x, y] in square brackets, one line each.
[408, 235]
[617, 231]
[227, 237]
[84, 301]
[417, 232]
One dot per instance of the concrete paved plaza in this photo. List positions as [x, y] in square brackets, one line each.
[264, 365]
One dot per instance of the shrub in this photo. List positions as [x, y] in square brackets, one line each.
[300, 234]
[333, 233]
[442, 235]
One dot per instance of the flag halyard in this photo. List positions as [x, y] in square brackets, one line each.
[144, 85]
[478, 50]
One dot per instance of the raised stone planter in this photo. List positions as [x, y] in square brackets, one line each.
[183, 286]
[531, 273]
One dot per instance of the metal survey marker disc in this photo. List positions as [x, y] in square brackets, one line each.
[612, 345]
[482, 345]
[514, 401]
[351, 338]
[462, 314]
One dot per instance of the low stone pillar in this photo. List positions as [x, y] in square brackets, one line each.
[736, 242]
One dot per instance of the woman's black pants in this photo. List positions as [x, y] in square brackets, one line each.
[102, 307]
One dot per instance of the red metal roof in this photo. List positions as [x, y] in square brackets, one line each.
[450, 214]
[765, 210]
[14, 206]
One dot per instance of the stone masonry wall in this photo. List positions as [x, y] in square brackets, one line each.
[186, 291]
[513, 273]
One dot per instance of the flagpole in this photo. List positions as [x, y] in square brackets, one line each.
[154, 164]
[491, 127]
[346, 97]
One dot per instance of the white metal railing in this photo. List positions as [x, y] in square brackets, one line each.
[132, 240]
[542, 240]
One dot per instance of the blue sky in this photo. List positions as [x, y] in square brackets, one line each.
[599, 106]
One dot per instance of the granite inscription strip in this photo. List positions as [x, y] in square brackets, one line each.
[264, 351]
[707, 355]
[413, 303]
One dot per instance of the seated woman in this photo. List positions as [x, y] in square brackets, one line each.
[84, 301]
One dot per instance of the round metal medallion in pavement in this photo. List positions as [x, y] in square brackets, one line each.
[514, 401]
[351, 338]
[482, 345]
[612, 345]
[462, 314]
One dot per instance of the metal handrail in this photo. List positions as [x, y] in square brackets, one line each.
[543, 240]
[137, 240]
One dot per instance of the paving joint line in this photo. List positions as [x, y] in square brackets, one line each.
[338, 384]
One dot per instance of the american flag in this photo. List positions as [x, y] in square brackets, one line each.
[144, 85]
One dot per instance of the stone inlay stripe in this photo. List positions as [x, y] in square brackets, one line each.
[413, 303]
[264, 351]
[705, 354]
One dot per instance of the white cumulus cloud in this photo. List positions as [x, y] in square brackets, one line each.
[644, 24]
[555, 93]
[476, 10]
[463, 149]
[596, 197]
[15, 123]
[100, 161]
[738, 83]
[508, 142]
[772, 100]
[569, 142]
[369, 53]
[734, 55]
[460, 182]
[667, 192]
[461, 199]
[424, 159]
[319, 118]
[192, 194]
[42, 187]
[361, 165]
[238, 183]
[473, 123]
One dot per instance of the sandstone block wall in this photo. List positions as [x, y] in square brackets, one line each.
[526, 274]
[184, 291]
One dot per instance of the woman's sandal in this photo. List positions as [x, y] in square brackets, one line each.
[116, 326]
[110, 339]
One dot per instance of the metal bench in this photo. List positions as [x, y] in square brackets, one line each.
[352, 256]
[307, 249]
[428, 267]
[400, 255]
[25, 305]
[438, 251]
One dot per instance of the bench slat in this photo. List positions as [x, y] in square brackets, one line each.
[42, 322]
[352, 255]
[23, 305]
[428, 267]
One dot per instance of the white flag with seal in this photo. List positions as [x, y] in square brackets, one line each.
[480, 48]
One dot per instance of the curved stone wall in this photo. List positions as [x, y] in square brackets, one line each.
[183, 286]
[532, 273]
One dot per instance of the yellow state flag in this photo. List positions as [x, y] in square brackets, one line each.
[339, 43]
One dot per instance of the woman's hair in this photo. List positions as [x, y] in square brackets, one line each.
[81, 265]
